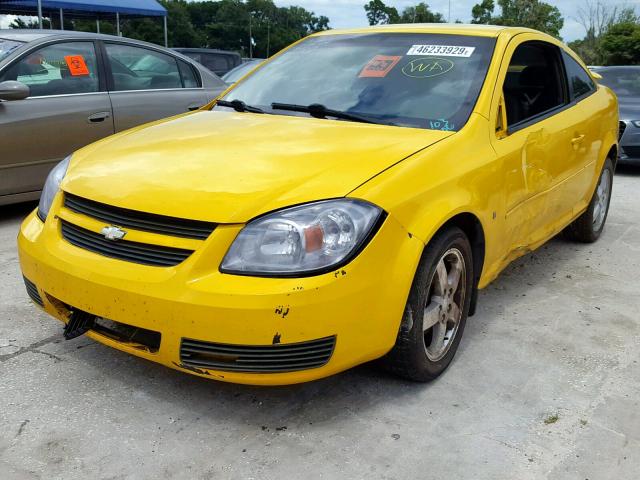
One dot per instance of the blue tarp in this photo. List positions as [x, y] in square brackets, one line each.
[147, 8]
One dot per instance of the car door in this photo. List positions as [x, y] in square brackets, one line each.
[588, 110]
[147, 84]
[533, 139]
[68, 108]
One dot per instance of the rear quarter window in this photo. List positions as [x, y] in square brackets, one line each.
[580, 82]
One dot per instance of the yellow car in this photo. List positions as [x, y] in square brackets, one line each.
[342, 203]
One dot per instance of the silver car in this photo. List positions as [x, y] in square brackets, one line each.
[625, 82]
[61, 90]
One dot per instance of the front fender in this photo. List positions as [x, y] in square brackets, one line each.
[460, 174]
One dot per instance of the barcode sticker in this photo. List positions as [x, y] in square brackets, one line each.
[441, 50]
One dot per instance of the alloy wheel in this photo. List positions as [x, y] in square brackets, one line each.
[603, 192]
[445, 302]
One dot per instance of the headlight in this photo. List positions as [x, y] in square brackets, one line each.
[303, 240]
[636, 123]
[51, 187]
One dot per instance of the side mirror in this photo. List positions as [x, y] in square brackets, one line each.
[12, 90]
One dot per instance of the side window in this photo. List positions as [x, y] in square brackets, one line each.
[534, 83]
[58, 69]
[188, 74]
[580, 82]
[216, 63]
[138, 68]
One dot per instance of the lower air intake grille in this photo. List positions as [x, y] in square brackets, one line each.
[32, 291]
[278, 358]
[631, 152]
[144, 253]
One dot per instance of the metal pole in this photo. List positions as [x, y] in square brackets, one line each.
[61, 20]
[166, 36]
[118, 23]
[98, 25]
[51, 22]
[40, 14]
[250, 38]
[449, 20]
[268, 37]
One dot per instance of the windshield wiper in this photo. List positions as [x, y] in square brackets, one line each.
[320, 111]
[239, 106]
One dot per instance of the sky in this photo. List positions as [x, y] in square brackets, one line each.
[350, 13]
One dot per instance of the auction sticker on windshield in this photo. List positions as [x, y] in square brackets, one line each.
[379, 66]
[441, 50]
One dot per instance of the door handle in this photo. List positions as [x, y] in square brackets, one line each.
[193, 106]
[577, 140]
[98, 117]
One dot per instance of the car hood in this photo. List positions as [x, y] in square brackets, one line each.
[228, 167]
[629, 108]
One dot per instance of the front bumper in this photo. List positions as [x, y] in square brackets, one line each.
[361, 304]
[629, 142]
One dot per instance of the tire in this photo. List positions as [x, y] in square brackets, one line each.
[416, 354]
[588, 227]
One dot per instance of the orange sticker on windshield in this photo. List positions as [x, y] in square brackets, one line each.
[76, 64]
[379, 66]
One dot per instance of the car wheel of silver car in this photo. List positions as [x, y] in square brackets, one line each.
[437, 309]
[588, 226]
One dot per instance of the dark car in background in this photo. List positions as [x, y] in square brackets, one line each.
[218, 61]
[61, 90]
[232, 76]
[625, 82]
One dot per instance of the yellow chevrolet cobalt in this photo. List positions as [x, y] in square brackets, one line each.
[343, 203]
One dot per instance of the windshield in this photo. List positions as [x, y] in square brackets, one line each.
[240, 71]
[625, 82]
[413, 80]
[7, 46]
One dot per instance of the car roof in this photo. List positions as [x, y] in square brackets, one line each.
[205, 50]
[444, 28]
[30, 35]
[617, 67]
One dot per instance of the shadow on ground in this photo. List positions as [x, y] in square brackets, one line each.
[336, 398]
[16, 211]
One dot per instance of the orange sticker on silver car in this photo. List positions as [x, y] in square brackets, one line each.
[379, 66]
[77, 65]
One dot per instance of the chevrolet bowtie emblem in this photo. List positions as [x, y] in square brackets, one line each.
[111, 232]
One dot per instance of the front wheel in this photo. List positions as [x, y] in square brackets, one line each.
[437, 309]
[588, 226]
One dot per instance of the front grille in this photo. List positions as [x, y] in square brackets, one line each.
[121, 332]
[32, 291]
[621, 129]
[143, 253]
[632, 152]
[278, 358]
[148, 222]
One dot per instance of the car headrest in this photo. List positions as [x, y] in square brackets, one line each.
[534, 76]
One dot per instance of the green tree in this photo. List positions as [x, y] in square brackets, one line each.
[31, 23]
[521, 13]
[482, 12]
[421, 13]
[620, 45]
[378, 12]
[598, 19]
[221, 24]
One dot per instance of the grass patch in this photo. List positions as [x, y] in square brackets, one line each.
[551, 419]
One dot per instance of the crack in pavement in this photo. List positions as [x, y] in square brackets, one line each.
[32, 348]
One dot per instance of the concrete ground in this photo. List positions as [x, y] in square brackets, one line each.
[545, 385]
